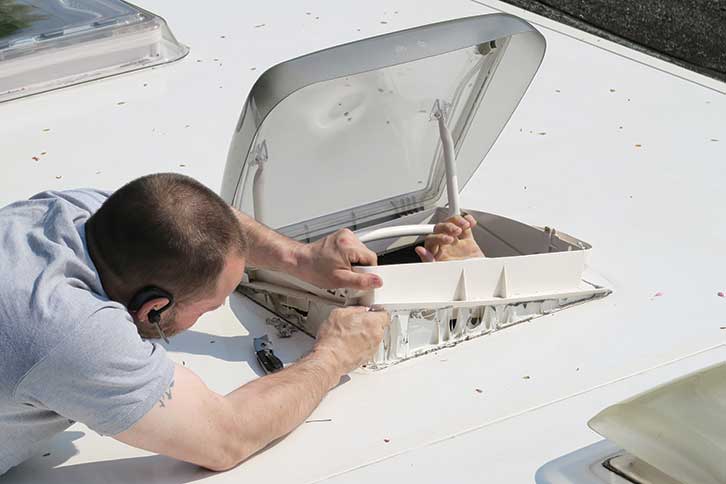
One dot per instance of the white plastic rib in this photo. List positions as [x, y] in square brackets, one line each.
[452, 183]
[392, 232]
[258, 187]
[258, 182]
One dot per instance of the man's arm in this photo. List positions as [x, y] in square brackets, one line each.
[269, 249]
[194, 424]
[327, 262]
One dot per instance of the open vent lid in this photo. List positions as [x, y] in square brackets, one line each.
[348, 136]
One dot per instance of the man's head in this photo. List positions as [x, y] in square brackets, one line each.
[171, 232]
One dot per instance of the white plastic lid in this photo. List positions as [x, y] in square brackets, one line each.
[47, 44]
[345, 137]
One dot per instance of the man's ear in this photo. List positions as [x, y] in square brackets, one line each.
[142, 314]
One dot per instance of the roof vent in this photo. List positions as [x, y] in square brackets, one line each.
[379, 136]
[48, 44]
[528, 272]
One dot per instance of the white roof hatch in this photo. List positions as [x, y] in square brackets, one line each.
[47, 44]
[356, 122]
[359, 136]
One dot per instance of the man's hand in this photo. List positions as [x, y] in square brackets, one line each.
[451, 240]
[225, 430]
[352, 335]
[328, 262]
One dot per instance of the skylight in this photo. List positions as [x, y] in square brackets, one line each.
[48, 44]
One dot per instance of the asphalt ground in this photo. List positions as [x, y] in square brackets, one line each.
[689, 33]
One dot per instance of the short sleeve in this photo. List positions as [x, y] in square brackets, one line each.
[103, 374]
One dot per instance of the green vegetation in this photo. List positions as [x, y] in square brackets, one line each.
[14, 16]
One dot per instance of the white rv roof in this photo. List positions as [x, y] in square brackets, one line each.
[608, 144]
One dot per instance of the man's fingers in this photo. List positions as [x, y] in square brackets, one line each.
[361, 256]
[447, 228]
[351, 309]
[459, 221]
[357, 252]
[471, 220]
[468, 234]
[383, 318]
[425, 255]
[356, 280]
[366, 255]
[438, 239]
[455, 226]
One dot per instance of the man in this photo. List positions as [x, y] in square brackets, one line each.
[84, 276]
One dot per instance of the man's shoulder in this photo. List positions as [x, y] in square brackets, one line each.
[101, 373]
[88, 199]
[37, 322]
[49, 284]
[44, 249]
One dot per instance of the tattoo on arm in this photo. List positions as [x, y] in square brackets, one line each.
[166, 395]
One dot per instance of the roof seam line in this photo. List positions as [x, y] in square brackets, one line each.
[523, 412]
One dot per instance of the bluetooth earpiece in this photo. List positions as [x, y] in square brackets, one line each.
[147, 294]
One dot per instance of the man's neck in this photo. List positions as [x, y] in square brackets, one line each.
[110, 282]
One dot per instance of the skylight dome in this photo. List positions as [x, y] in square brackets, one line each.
[48, 44]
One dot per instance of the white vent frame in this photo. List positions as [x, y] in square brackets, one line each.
[440, 304]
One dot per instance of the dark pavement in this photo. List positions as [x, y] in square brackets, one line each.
[689, 33]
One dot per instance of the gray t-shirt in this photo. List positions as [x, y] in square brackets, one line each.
[67, 353]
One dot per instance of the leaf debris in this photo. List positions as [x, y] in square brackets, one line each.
[282, 327]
